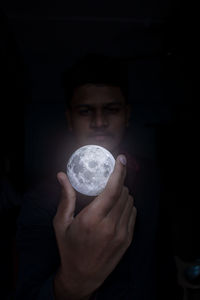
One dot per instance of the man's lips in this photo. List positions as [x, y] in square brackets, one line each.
[100, 137]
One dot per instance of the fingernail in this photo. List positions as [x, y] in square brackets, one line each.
[122, 158]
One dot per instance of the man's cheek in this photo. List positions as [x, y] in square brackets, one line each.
[81, 129]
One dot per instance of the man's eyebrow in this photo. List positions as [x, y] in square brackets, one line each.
[83, 105]
[113, 103]
[103, 104]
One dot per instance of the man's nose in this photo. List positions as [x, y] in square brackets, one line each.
[99, 120]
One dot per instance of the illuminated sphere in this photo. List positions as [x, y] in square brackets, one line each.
[89, 169]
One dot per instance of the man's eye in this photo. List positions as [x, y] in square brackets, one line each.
[88, 111]
[112, 109]
[84, 111]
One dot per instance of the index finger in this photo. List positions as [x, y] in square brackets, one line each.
[104, 202]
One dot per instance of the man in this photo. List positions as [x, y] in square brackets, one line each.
[75, 247]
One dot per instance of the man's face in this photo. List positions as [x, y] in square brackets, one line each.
[98, 116]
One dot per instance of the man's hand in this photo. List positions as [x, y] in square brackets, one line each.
[92, 243]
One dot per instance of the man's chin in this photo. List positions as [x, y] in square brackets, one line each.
[106, 143]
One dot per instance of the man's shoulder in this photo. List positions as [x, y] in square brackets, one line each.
[138, 163]
[141, 168]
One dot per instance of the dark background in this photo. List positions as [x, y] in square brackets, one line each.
[153, 37]
[40, 39]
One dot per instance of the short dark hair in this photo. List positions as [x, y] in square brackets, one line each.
[95, 69]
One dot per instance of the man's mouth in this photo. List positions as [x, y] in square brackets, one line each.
[100, 136]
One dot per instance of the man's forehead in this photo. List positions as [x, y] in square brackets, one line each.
[97, 94]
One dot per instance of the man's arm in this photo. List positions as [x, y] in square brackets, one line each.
[90, 244]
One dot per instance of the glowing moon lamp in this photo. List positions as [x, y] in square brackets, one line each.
[89, 169]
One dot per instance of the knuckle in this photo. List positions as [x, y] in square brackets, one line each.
[129, 204]
[125, 190]
[108, 230]
[84, 223]
[121, 237]
[134, 211]
[130, 198]
[123, 193]
[129, 239]
[130, 236]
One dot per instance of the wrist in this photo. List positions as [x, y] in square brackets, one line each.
[68, 289]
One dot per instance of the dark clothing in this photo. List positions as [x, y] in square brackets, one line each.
[9, 198]
[146, 268]
[10, 202]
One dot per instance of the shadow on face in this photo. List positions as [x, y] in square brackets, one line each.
[98, 115]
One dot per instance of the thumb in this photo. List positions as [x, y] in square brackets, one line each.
[66, 207]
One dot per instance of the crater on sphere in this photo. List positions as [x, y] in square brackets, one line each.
[78, 168]
[92, 164]
[80, 180]
[88, 175]
[75, 160]
[107, 170]
[106, 173]
[83, 152]
[106, 167]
